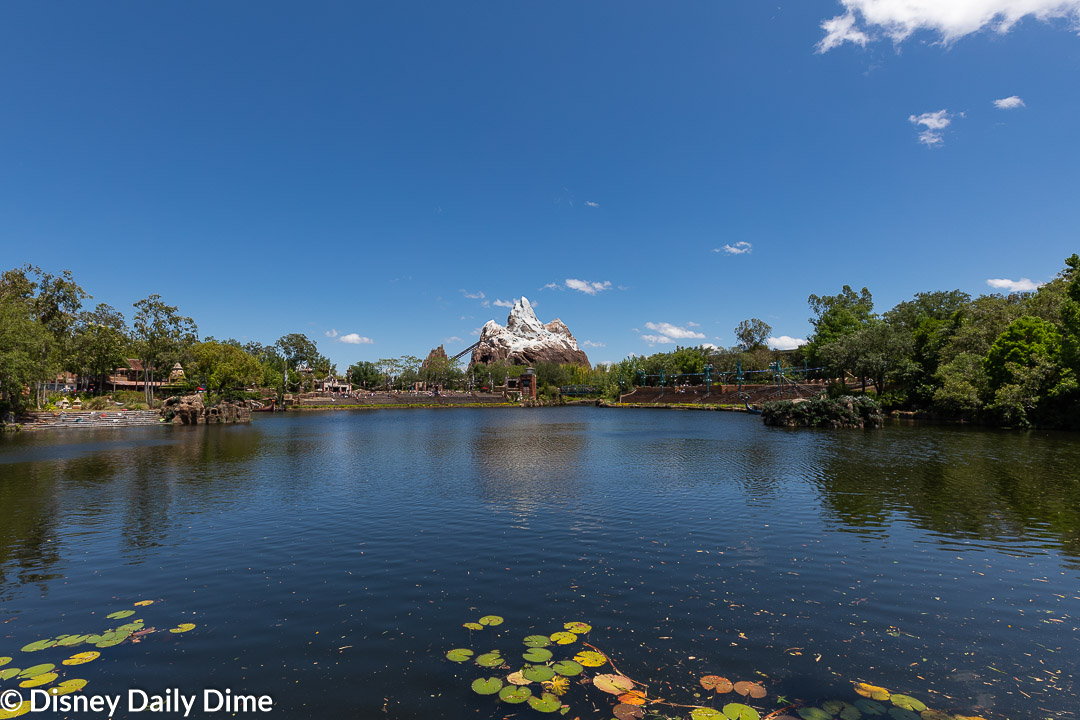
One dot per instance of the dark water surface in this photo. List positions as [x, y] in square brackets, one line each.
[329, 560]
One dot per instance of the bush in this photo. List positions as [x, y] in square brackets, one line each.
[848, 411]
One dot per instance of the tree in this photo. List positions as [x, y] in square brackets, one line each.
[365, 374]
[838, 315]
[100, 342]
[295, 349]
[752, 333]
[161, 333]
[21, 339]
[1024, 343]
[224, 368]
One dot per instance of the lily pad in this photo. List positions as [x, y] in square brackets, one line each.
[39, 680]
[473, 626]
[82, 658]
[72, 640]
[614, 684]
[628, 712]
[491, 620]
[111, 640]
[120, 614]
[537, 641]
[545, 703]
[578, 627]
[538, 673]
[872, 691]
[8, 673]
[22, 709]
[567, 668]
[144, 603]
[133, 627]
[850, 713]
[487, 686]
[36, 670]
[935, 715]
[634, 697]
[907, 703]
[39, 645]
[4, 661]
[903, 714]
[69, 686]
[590, 658]
[517, 678]
[515, 694]
[459, 654]
[563, 638]
[183, 628]
[871, 707]
[491, 659]
[537, 655]
[813, 713]
[706, 713]
[738, 711]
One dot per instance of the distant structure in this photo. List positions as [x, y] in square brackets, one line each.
[527, 341]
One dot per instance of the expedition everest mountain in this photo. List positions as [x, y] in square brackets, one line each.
[527, 341]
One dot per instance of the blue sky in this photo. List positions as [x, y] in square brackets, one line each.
[371, 169]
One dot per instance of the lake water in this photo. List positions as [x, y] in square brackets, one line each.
[329, 560]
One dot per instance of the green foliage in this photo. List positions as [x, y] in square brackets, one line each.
[849, 411]
[225, 369]
[752, 333]
[1026, 342]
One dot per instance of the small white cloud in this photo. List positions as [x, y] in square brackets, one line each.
[740, 248]
[331, 333]
[485, 303]
[590, 203]
[867, 20]
[1009, 103]
[710, 346]
[355, 339]
[933, 124]
[1013, 286]
[693, 324]
[657, 339]
[503, 303]
[551, 286]
[669, 334]
[590, 343]
[589, 288]
[473, 296]
[784, 342]
[453, 339]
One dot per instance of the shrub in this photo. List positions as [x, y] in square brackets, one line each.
[848, 411]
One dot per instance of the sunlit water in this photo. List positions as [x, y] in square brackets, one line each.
[329, 560]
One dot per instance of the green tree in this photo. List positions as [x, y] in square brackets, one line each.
[364, 374]
[752, 333]
[224, 368]
[21, 339]
[1026, 340]
[836, 316]
[100, 343]
[161, 335]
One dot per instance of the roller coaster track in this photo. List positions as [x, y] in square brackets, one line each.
[465, 351]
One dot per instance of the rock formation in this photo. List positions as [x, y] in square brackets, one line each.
[190, 410]
[526, 341]
[436, 355]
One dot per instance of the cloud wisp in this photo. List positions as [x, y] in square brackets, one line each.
[1010, 103]
[356, 339]
[669, 334]
[587, 287]
[740, 248]
[478, 295]
[590, 203]
[332, 333]
[864, 21]
[1014, 286]
[933, 126]
[590, 343]
[784, 342]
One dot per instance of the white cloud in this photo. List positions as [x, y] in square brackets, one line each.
[669, 334]
[589, 288]
[551, 286]
[1021, 285]
[485, 303]
[867, 20]
[740, 248]
[933, 123]
[473, 296]
[453, 339]
[354, 339]
[693, 324]
[590, 203]
[590, 343]
[503, 303]
[784, 342]
[1009, 103]
[331, 333]
[710, 346]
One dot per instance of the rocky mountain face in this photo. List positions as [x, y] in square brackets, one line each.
[527, 341]
[437, 356]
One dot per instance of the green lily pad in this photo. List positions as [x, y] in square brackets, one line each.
[515, 694]
[538, 673]
[537, 655]
[706, 713]
[93, 639]
[871, 707]
[120, 614]
[936, 715]
[111, 640]
[545, 703]
[72, 640]
[473, 626]
[39, 680]
[37, 670]
[487, 686]
[69, 686]
[563, 638]
[579, 628]
[491, 659]
[181, 628]
[8, 673]
[813, 713]
[536, 641]
[567, 668]
[850, 713]
[138, 625]
[82, 658]
[4, 661]
[738, 711]
[903, 714]
[907, 703]
[590, 658]
[491, 620]
[39, 645]
[459, 654]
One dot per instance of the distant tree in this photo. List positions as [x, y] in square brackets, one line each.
[161, 334]
[364, 374]
[224, 368]
[21, 339]
[752, 333]
[1023, 343]
[838, 315]
[101, 341]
